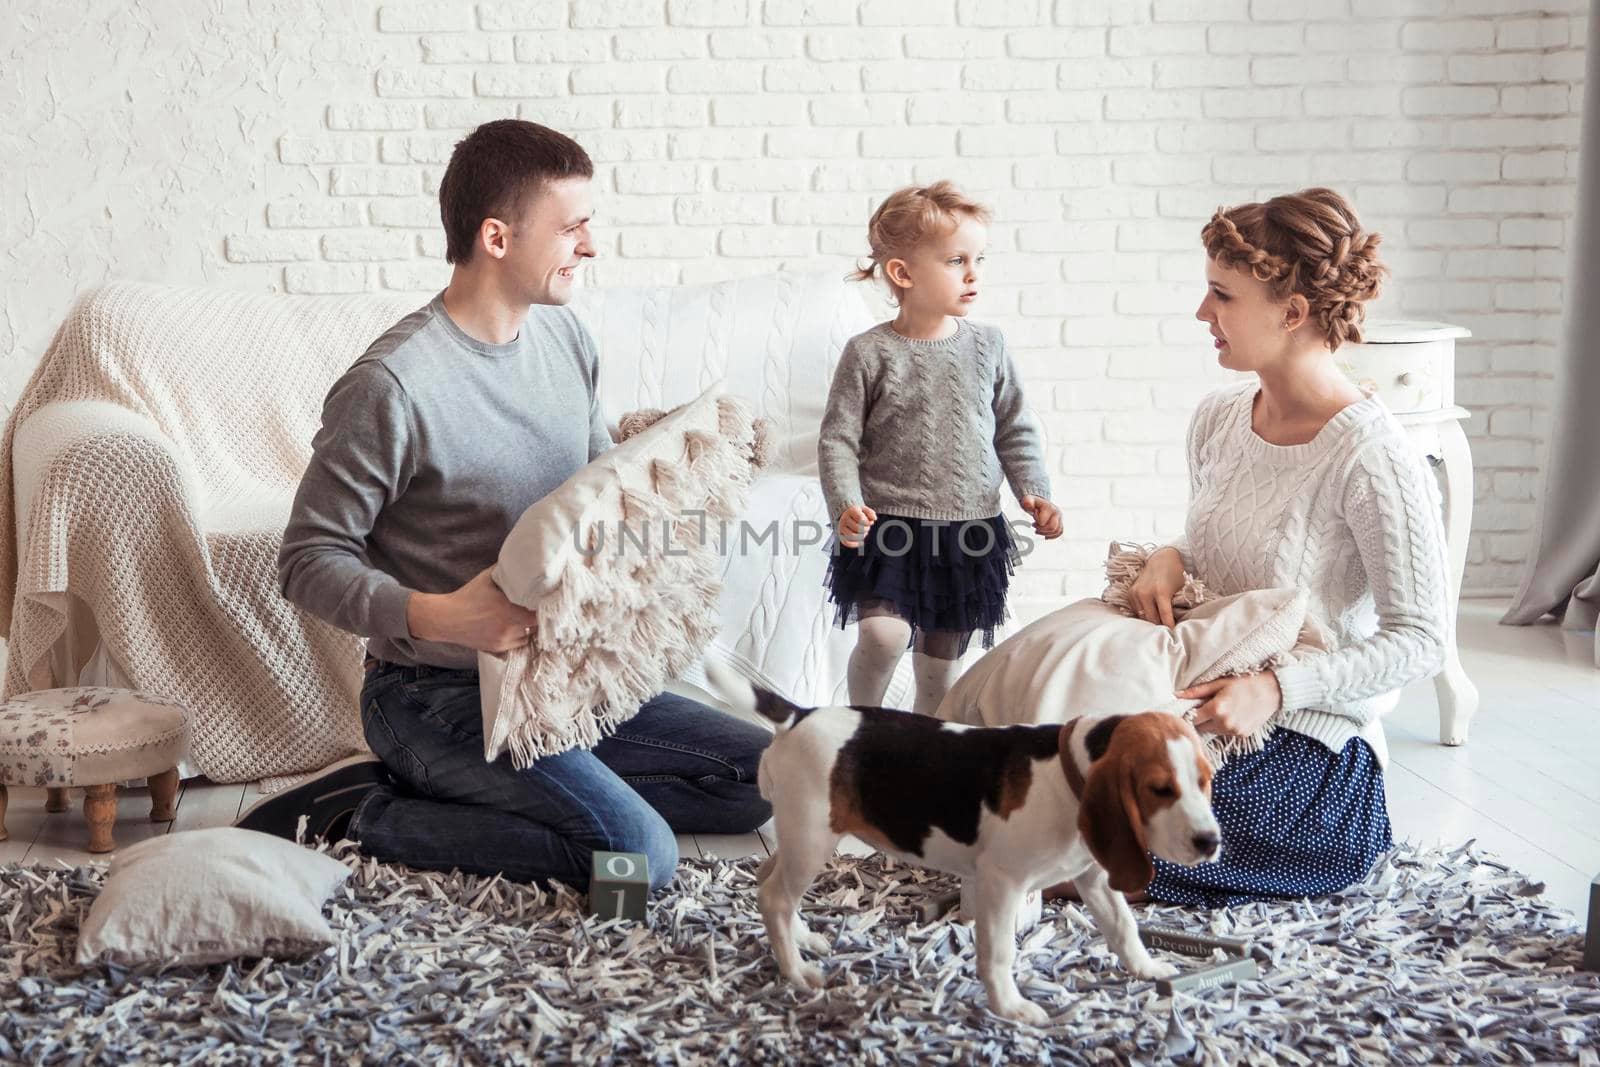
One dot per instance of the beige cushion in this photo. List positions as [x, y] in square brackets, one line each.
[203, 896]
[617, 618]
[541, 547]
[1090, 659]
[88, 736]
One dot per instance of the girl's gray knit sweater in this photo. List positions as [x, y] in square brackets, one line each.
[927, 429]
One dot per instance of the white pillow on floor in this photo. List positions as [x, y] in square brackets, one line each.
[204, 896]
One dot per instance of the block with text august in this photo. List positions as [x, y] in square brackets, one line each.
[1221, 974]
[619, 885]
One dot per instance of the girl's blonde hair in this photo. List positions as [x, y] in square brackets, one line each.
[910, 216]
[1309, 243]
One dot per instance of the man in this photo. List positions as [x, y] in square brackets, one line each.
[451, 424]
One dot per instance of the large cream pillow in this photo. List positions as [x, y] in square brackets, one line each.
[204, 896]
[622, 565]
[1090, 659]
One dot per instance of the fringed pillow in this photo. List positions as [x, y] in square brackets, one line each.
[1095, 658]
[622, 565]
[1124, 561]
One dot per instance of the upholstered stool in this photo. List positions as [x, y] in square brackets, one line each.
[94, 738]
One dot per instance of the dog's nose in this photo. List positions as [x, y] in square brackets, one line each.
[1206, 842]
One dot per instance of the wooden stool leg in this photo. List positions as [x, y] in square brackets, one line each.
[3, 834]
[100, 811]
[164, 796]
[56, 800]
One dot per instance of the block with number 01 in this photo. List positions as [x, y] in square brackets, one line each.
[619, 885]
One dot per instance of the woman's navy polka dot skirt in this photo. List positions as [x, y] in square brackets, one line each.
[1297, 820]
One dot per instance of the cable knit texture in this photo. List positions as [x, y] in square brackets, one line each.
[148, 468]
[927, 429]
[1353, 517]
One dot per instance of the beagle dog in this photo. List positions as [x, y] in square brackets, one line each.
[1013, 808]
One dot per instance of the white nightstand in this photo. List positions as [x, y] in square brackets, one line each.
[1412, 366]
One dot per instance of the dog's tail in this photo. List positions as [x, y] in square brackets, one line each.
[742, 696]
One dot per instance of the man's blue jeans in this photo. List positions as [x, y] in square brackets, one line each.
[676, 766]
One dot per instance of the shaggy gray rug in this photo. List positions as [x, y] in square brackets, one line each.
[1441, 957]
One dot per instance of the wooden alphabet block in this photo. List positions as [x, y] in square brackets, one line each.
[619, 885]
[1591, 940]
[937, 906]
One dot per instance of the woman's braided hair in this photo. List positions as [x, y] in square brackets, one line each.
[1309, 243]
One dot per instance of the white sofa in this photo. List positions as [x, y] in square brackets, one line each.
[773, 339]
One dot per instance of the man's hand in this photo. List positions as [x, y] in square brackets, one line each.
[1159, 581]
[1046, 516]
[477, 615]
[854, 524]
[1235, 707]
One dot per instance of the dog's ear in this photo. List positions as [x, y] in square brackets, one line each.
[1111, 824]
[1096, 731]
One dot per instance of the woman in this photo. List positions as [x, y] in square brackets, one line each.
[1297, 479]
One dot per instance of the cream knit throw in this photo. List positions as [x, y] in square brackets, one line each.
[173, 428]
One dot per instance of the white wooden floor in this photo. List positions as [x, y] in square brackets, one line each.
[1527, 783]
[1526, 786]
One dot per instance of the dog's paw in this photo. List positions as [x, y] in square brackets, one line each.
[807, 977]
[813, 942]
[1150, 969]
[1023, 1011]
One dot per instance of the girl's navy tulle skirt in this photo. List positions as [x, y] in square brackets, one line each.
[948, 576]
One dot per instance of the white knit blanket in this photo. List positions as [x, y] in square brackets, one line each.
[172, 429]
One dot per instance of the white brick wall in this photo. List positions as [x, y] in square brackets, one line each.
[300, 148]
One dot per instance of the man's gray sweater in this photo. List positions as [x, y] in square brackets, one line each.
[432, 445]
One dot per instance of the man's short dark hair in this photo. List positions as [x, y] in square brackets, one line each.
[496, 171]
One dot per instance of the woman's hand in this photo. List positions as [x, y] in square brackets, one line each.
[1159, 581]
[854, 524]
[1046, 516]
[1235, 707]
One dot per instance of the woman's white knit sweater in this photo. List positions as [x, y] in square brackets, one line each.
[1353, 517]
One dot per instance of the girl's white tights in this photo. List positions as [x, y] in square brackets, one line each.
[881, 641]
[935, 676]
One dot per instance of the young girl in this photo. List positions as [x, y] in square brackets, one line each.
[924, 417]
